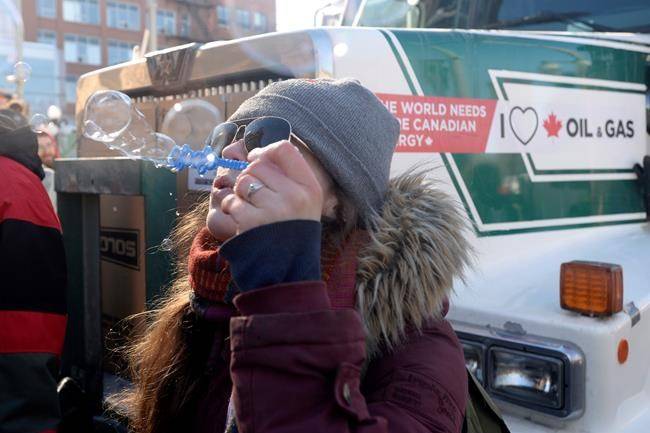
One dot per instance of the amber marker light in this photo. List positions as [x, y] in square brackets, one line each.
[623, 351]
[591, 288]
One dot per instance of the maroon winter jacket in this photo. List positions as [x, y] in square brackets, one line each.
[367, 351]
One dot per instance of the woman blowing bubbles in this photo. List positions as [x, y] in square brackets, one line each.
[313, 299]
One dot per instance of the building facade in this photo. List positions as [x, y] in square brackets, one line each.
[43, 87]
[92, 34]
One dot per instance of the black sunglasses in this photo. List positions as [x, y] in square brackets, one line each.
[259, 132]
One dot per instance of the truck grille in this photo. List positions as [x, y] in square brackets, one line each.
[225, 89]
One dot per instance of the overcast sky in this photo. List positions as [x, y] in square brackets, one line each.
[296, 14]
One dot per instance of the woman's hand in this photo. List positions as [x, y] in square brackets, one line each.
[290, 189]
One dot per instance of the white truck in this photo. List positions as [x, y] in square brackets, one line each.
[536, 128]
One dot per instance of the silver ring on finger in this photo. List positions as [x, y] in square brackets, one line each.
[252, 189]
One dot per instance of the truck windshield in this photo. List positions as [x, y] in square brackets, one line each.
[547, 15]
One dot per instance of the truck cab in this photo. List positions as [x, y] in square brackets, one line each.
[549, 368]
[534, 121]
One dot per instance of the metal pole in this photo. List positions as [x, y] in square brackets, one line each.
[153, 27]
[15, 11]
[20, 36]
[92, 297]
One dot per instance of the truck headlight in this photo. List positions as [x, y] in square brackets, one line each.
[527, 372]
[527, 378]
[474, 359]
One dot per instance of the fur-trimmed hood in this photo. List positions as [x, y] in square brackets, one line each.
[417, 247]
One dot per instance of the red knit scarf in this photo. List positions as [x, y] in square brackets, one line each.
[210, 275]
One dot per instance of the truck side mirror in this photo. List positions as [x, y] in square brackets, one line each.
[643, 179]
[329, 15]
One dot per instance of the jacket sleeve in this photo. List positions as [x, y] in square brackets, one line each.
[296, 367]
[211, 410]
[32, 304]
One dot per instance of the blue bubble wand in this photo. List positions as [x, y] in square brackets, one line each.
[202, 160]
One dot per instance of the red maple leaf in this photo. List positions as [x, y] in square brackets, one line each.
[552, 126]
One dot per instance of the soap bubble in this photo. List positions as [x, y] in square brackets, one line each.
[191, 121]
[158, 148]
[112, 118]
[107, 115]
[39, 122]
[22, 72]
[166, 244]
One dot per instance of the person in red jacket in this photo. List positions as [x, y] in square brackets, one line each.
[32, 288]
[312, 295]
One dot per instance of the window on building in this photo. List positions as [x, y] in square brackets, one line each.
[185, 25]
[259, 22]
[46, 37]
[166, 22]
[46, 8]
[222, 15]
[82, 49]
[123, 16]
[119, 52]
[70, 89]
[243, 18]
[81, 11]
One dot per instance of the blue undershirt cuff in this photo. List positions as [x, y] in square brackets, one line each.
[283, 252]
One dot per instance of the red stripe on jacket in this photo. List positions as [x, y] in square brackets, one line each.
[23, 183]
[31, 332]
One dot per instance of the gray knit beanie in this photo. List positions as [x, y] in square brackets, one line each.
[344, 124]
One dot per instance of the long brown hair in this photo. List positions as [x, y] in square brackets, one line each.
[168, 376]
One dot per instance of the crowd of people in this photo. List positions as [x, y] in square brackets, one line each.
[311, 288]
